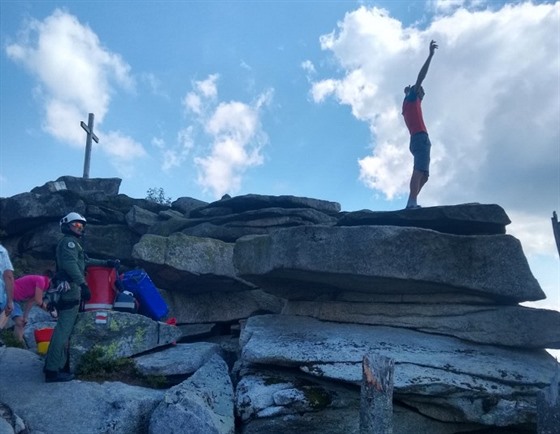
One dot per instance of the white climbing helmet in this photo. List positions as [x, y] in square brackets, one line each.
[72, 217]
[73, 223]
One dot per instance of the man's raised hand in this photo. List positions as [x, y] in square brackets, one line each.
[433, 47]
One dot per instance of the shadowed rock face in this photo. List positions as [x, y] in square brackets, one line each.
[314, 289]
[387, 259]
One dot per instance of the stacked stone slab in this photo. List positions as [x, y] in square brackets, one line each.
[443, 303]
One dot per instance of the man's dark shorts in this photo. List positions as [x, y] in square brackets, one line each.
[420, 147]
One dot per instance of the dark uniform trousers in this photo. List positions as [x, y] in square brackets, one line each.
[71, 261]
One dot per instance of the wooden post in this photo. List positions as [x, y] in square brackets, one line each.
[556, 230]
[548, 408]
[376, 396]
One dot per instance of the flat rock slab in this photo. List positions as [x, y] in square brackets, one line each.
[213, 307]
[513, 326]
[386, 259]
[188, 264]
[108, 186]
[464, 219]
[466, 378]
[181, 359]
[71, 407]
[238, 204]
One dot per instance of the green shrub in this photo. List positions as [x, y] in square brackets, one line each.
[157, 195]
[7, 336]
[95, 366]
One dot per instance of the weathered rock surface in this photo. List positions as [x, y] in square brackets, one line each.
[386, 259]
[215, 306]
[189, 263]
[108, 186]
[122, 335]
[180, 359]
[239, 204]
[513, 326]
[436, 289]
[201, 404]
[73, 407]
[464, 219]
[282, 401]
[460, 378]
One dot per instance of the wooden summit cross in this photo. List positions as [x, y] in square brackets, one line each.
[90, 135]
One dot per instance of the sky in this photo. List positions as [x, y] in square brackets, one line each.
[288, 97]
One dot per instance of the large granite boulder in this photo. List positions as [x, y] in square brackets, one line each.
[108, 186]
[238, 204]
[118, 334]
[512, 326]
[73, 407]
[288, 401]
[187, 204]
[188, 264]
[26, 211]
[299, 262]
[201, 404]
[464, 219]
[215, 307]
[110, 241]
[177, 360]
[444, 378]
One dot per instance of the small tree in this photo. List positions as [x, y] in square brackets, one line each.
[157, 195]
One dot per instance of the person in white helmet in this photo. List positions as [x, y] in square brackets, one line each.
[71, 263]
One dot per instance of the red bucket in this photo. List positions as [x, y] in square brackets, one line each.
[101, 282]
[43, 339]
[44, 334]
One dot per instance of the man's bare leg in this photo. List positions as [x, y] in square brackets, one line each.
[417, 181]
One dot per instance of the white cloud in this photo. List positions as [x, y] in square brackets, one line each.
[308, 67]
[208, 88]
[536, 232]
[120, 146]
[204, 91]
[75, 75]
[448, 6]
[235, 135]
[175, 156]
[158, 142]
[154, 84]
[491, 107]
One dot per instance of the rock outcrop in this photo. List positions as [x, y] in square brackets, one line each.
[459, 378]
[311, 289]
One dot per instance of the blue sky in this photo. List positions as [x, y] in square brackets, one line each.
[203, 98]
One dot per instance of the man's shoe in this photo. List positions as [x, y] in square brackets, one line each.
[57, 377]
[413, 207]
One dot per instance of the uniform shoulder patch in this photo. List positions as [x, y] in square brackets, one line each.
[71, 244]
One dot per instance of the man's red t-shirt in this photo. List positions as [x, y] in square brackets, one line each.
[412, 112]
